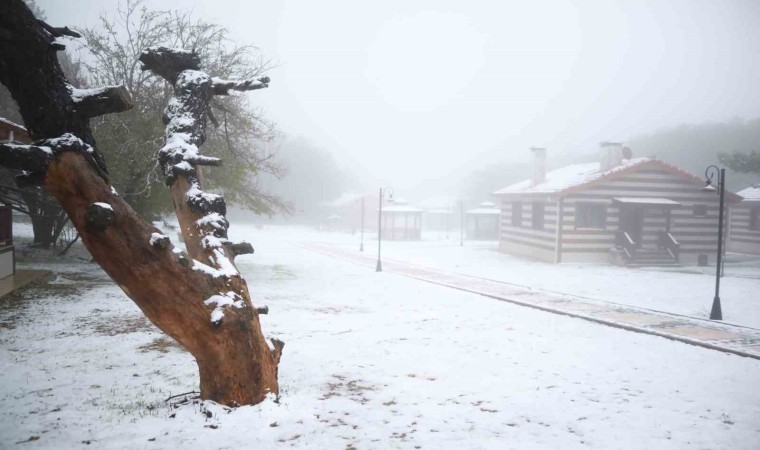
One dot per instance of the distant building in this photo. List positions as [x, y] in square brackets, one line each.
[9, 133]
[744, 220]
[482, 223]
[401, 222]
[13, 132]
[637, 211]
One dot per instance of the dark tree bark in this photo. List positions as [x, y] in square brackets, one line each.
[199, 299]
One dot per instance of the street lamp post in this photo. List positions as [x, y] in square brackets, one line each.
[361, 246]
[712, 171]
[379, 267]
[461, 224]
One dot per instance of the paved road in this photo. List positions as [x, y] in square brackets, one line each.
[735, 339]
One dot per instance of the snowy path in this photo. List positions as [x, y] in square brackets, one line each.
[682, 290]
[372, 361]
[739, 340]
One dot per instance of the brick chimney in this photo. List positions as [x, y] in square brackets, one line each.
[611, 155]
[539, 165]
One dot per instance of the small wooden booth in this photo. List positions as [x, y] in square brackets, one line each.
[401, 222]
[482, 223]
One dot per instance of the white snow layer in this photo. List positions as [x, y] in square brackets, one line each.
[156, 237]
[103, 205]
[375, 360]
[222, 301]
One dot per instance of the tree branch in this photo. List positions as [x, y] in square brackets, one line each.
[169, 62]
[222, 87]
[32, 158]
[100, 101]
[58, 31]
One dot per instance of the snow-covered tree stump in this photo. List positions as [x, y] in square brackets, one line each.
[199, 298]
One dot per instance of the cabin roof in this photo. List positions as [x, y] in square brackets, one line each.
[751, 194]
[560, 180]
[577, 177]
[13, 125]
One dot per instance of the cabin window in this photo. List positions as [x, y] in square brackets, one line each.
[537, 216]
[754, 219]
[700, 210]
[590, 215]
[516, 214]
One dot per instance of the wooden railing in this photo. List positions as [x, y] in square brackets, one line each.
[669, 243]
[623, 241]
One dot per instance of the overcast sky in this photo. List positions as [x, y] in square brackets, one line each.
[415, 90]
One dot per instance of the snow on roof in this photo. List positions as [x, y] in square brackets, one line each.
[400, 205]
[12, 124]
[646, 201]
[401, 208]
[751, 194]
[569, 176]
[21, 133]
[485, 208]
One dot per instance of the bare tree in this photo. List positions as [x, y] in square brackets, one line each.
[199, 298]
[128, 141]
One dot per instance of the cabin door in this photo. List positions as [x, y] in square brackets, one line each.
[632, 222]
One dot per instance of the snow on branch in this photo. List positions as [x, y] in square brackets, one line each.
[222, 87]
[208, 203]
[100, 215]
[99, 101]
[159, 240]
[58, 31]
[230, 299]
[169, 62]
[35, 158]
[32, 158]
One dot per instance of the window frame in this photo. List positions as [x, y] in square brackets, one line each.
[587, 225]
[516, 214]
[538, 221]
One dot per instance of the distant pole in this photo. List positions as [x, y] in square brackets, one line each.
[379, 267]
[361, 246]
[716, 313]
[448, 213]
[461, 224]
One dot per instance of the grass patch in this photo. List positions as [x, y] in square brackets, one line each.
[163, 344]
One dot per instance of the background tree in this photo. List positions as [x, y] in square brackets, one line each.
[199, 298]
[241, 135]
[742, 162]
[313, 177]
[45, 212]
[696, 146]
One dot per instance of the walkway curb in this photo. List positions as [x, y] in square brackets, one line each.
[737, 340]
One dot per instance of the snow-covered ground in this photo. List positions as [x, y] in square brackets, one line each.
[687, 290]
[371, 361]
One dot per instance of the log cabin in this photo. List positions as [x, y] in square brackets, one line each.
[621, 209]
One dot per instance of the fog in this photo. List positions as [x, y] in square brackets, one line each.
[413, 94]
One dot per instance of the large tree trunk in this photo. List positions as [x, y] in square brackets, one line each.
[199, 299]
